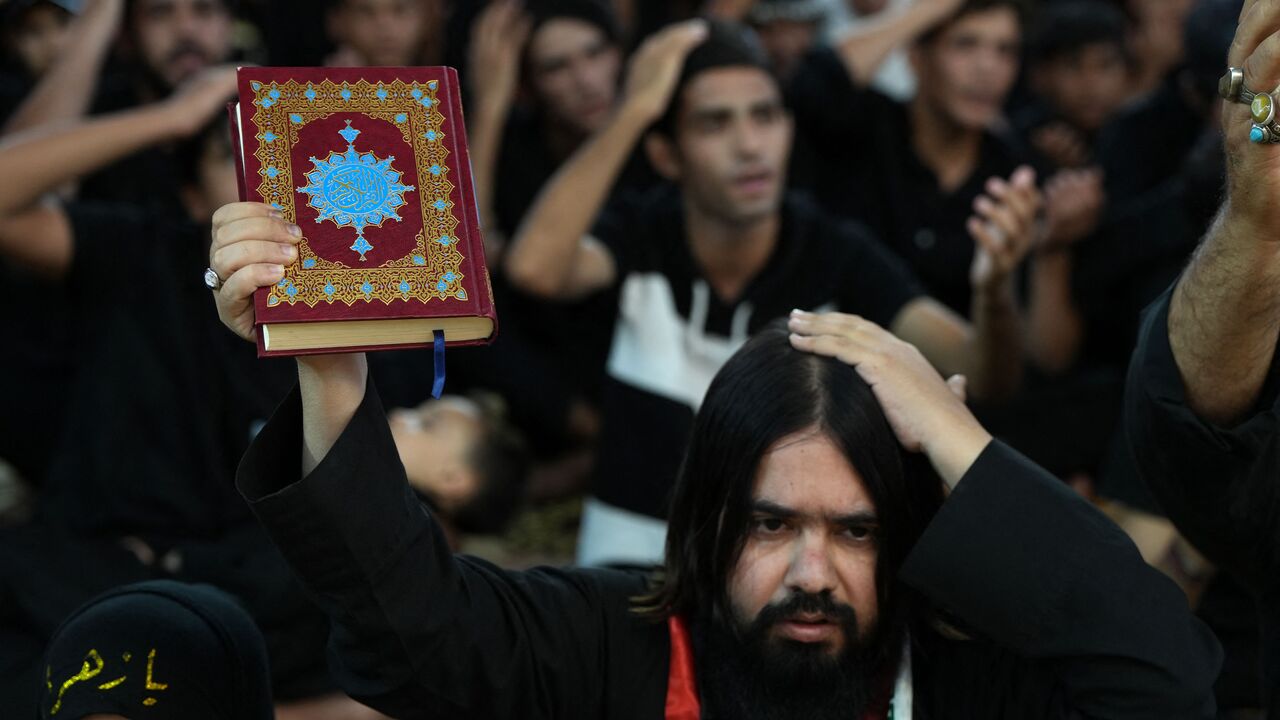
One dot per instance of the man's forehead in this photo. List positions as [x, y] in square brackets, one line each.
[160, 4]
[564, 37]
[731, 86]
[1000, 21]
[810, 475]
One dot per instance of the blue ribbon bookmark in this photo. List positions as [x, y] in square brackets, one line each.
[437, 387]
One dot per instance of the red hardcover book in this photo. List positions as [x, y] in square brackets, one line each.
[372, 164]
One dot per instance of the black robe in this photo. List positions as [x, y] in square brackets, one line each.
[1220, 486]
[1070, 622]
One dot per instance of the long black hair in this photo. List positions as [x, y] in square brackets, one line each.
[768, 391]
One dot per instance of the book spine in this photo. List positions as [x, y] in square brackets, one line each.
[470, 215]
[237, 149]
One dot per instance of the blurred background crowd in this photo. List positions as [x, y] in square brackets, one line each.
[125, 406]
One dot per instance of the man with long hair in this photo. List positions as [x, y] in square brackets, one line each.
[814, 568]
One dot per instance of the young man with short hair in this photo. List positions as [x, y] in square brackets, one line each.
[916, 172]
[707, 259]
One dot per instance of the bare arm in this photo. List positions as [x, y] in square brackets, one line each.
[985, 352]
[46, 158]
[864, 49]
[1054, 326]
[496, 43]
[37, 234]
[988, 351]
[1073, 201]
[1224, 318]
[332, 387]
[65, 91]
[548, 255]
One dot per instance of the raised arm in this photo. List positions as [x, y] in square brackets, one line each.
[416, 632]
[497, 41]
[864, 48]
[1224, 320]
[987, 349]
[552, 254]
[37, 234]
[66, 90]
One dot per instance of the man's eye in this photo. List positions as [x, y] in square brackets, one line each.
[770, 525]
[860, 532]
[712, 124]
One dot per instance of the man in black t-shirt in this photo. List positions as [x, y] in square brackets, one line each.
[701, 265]
[915, 173]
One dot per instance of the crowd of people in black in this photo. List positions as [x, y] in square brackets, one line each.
[830, 312]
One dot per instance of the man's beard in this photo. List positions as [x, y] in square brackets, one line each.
[747, 673]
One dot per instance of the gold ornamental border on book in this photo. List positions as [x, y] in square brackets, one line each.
[431, 270]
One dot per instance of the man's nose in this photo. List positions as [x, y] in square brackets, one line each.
[748, 139]
[188, 22]
[811, 569]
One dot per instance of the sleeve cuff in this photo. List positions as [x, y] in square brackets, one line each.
[1155, 390]
[351, 516]
[1008, 543]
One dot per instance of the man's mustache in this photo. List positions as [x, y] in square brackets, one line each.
[809, 605]
[186, 47]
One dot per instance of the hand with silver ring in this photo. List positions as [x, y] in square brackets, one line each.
[252, 244]
[1232, 88]
[211, 279]
[1251, 131]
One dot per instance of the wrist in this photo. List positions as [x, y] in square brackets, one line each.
[955, 448]
[635, 115]
[345, 370]
[492, 109]
[997, 289]
[167, 118]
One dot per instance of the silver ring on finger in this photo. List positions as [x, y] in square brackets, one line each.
[1232, 88]
[211, 279]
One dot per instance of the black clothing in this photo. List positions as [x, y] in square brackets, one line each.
[673, 331]
[1218, 485]
[1164, 175]
[162, 650]
[862, 165]
[164, 390]
[1069, 621]
[149, 178]
[162, 406]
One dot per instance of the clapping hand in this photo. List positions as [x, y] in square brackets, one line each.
[1003, 226]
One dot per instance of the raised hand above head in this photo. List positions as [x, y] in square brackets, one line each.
[199, 99]
[926, 413]
[497, 42]
[655, 67]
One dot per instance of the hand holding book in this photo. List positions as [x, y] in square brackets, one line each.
[252, 242]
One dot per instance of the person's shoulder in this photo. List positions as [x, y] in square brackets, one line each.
[643, 212]
[819, 228]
